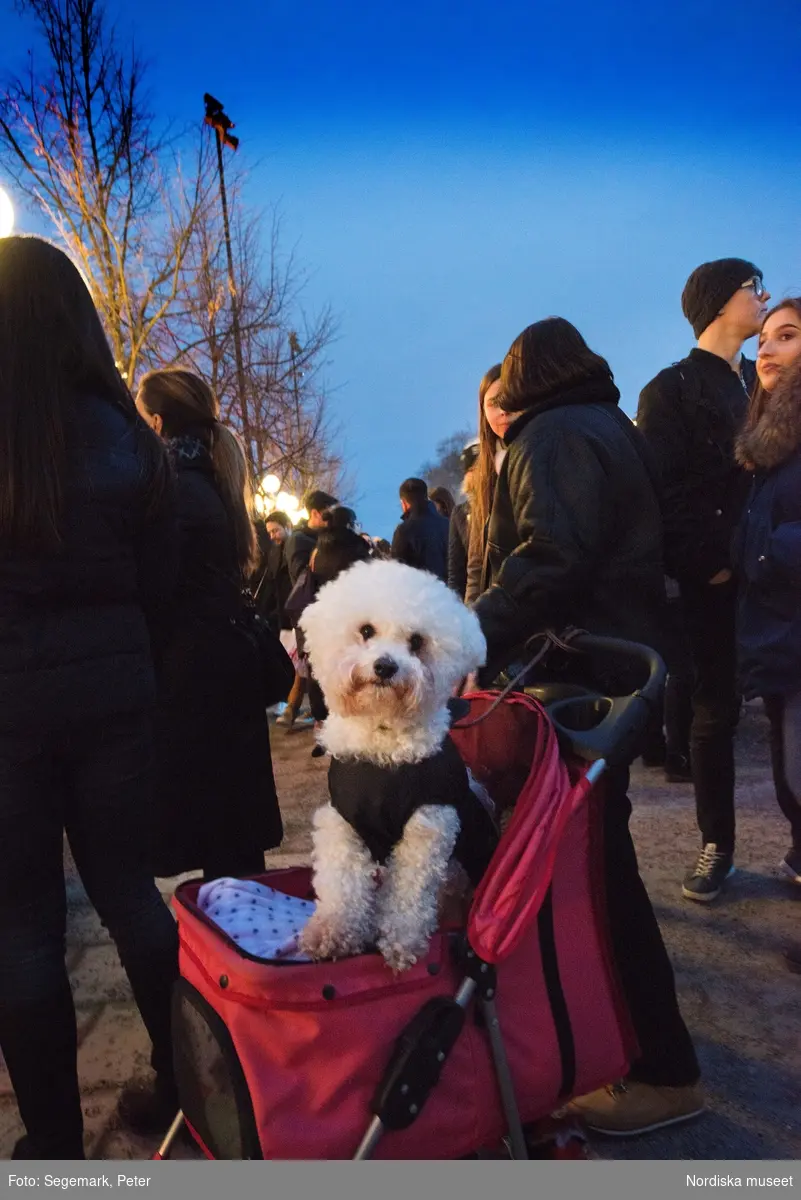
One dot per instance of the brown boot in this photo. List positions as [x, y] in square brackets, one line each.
[629, 1108]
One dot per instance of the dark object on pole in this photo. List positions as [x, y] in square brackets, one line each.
[221, 123]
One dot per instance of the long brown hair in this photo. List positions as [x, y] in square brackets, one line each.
[52, 349]
[547, 357]
[187, 405]
[759, 401]
[485, 474]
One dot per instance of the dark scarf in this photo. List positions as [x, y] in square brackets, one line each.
[777, 434]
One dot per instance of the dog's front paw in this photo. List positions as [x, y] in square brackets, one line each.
[327, 937]
[399, 954]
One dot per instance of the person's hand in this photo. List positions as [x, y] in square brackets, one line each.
[722, 577]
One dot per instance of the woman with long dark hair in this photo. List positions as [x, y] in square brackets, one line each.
[88, 555]
[217, 805]
[768, 553]
[491, 452]
[574, 538]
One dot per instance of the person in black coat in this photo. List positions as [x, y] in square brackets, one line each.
[690, 415]
[302, 541]
[271, 582]
[88, 560]
[768, 562]
[574, 538]
[339, 545]
[217, 804]
[421, 538]
[459, 533]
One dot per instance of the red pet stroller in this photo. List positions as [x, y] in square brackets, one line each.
[502, 1023]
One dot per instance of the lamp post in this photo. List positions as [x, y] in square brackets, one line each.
[222, 124]
[296, 349]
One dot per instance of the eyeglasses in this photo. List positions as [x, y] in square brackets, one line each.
[756, 283]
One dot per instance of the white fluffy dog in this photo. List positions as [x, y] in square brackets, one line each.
[388, 644]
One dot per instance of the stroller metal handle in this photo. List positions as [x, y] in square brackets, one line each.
[609, 727]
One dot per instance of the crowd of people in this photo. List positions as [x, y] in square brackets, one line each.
[136, 591]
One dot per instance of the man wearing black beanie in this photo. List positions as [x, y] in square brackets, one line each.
[690, 415]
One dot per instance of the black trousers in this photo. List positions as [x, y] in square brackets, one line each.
[789, 803]
[95, 783]
[669, 731]
[667, 1057]
[710, 615]
[317, 703]
[679, 686]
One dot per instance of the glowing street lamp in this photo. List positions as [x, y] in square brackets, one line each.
[271, 485]
[287, 503]
[6, 214]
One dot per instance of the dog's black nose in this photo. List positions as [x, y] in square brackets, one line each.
[385, 667]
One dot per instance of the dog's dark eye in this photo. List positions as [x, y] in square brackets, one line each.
[416, 643]
[367, 632]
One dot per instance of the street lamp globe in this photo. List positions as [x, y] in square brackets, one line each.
[271, 485]
[6, 214]
[287, 503]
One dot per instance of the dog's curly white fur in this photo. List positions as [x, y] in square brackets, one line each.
[345, 881]
[388, 644]
[408, 903]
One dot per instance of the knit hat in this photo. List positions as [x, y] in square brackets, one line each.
[711, 286]
[469, 456]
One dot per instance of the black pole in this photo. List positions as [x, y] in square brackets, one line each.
[240, 365]
[294, 350]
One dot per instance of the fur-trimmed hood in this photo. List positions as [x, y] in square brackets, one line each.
[777, 434]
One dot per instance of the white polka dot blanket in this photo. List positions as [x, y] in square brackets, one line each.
[264, 922]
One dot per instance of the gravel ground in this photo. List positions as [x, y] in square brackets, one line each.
[743, 1007]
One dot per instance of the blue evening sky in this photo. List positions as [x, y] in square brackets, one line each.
[451, 172]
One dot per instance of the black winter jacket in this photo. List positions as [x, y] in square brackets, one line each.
[216, 796]
[574, 535]
[458, 547]
[74, 640]
[421, 540]
[299, 549]
[271, 583]
[690, 415]
[768, 553]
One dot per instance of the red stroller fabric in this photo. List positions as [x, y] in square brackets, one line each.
[306, 1044]
[511, 893]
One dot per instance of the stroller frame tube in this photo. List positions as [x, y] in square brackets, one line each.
[517, 1141]
[166, 1146]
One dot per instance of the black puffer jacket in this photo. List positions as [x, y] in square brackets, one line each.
[421, 540]
[574, 536]
[690, 415]
[73, 626]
